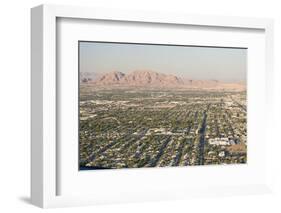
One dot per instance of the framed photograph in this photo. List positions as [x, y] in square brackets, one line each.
[193, 112]
[129, 106]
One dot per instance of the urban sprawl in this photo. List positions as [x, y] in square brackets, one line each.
[134, 128]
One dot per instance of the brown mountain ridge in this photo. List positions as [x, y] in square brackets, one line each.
[149, 78]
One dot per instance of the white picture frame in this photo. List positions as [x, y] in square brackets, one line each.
[44, 149]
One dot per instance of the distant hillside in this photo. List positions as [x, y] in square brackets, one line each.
[89, 76]
[148, 78]
[111, 78]
[139, 78]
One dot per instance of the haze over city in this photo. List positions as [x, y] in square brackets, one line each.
[198, 63]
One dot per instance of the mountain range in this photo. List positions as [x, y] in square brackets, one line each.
[149, 78]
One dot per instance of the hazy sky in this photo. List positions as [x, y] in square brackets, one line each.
[225, 64]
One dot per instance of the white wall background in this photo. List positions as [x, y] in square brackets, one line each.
[15, 103]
